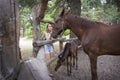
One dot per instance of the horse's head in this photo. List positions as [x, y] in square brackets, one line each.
[60, 24]
[59, 62]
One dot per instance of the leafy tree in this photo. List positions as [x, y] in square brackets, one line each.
[25, 20]
[28, 3]
[99, 10]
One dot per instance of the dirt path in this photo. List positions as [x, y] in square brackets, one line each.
[108, 69]
[26, 47]
[108, 66]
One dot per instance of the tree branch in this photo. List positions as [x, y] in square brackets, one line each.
[47, 21]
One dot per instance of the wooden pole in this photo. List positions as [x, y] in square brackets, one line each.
[38, 13]
[60, 45]
[41, 43]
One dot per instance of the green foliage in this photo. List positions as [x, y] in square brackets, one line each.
[67, 32]
[28, 29]
[43, 28]
[89, 4]
[106, 12]
[25, 21]
[91, 9]
[28, 3]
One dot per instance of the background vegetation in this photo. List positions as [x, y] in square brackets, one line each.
[106, 11]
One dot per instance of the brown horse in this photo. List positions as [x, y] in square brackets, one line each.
[69, 53]
[96, 38]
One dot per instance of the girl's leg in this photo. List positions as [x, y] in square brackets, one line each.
[47, 57]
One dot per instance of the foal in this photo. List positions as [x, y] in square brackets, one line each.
[69, 54]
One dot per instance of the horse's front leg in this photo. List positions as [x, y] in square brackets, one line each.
[93, 63]
[68, 66]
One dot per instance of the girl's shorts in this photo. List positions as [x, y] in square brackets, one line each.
[48, 48]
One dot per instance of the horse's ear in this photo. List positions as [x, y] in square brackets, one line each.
[62, 13]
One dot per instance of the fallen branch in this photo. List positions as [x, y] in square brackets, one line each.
[47, 21]
[40, 43]
[65, 40]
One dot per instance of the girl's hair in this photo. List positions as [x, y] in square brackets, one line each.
[47, 25]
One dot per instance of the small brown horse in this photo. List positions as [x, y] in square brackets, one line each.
[69, 54]
[96, 38]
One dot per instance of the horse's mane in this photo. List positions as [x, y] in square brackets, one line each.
[84, 22]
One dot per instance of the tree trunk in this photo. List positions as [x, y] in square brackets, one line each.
[38, 13]
[9, 37]
[75, 8]
[36, 28]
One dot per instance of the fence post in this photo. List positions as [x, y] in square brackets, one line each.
[60, 45]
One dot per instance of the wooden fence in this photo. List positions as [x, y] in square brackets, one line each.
[61, 41]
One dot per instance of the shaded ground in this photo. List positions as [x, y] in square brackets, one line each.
[108, 69]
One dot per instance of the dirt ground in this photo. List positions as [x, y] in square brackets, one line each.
[26, 47]
[108, 66]
[108, 69]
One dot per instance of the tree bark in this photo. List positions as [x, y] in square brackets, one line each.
[9, 36]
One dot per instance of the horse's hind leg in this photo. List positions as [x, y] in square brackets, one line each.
[68, 72]
[76, 58]
[70, 64]
[73, 59]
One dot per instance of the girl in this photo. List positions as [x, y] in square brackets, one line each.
[48, 47]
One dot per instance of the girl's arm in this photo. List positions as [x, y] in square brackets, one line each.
[46, 36]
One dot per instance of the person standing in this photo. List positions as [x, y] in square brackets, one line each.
[49, 48]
